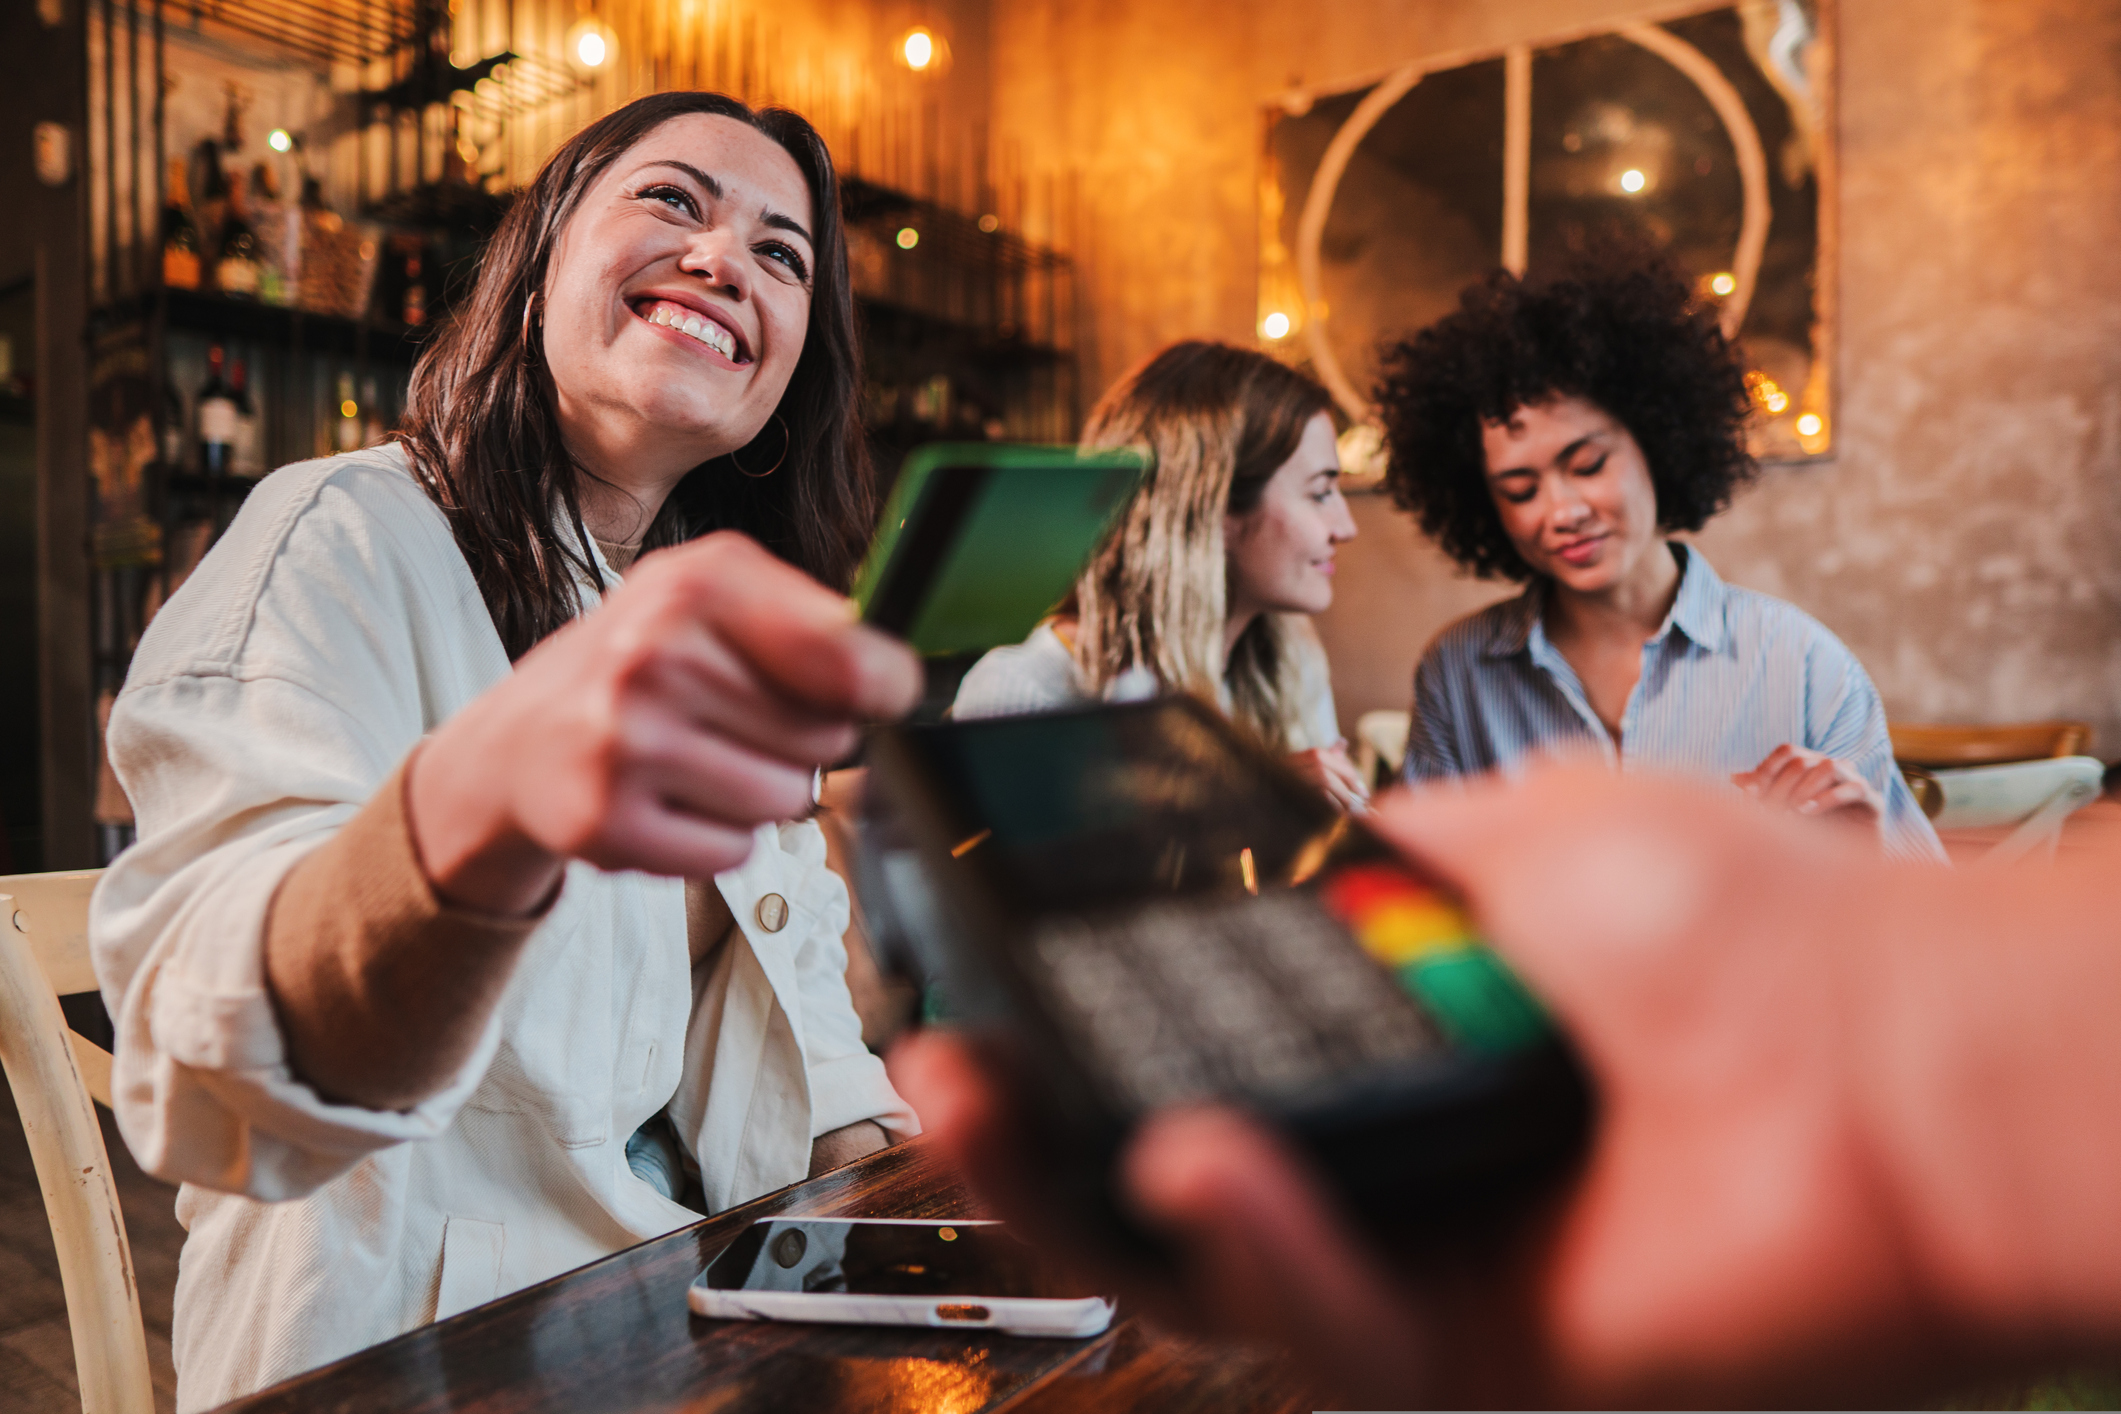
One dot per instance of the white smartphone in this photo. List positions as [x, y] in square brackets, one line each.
[893, 1272]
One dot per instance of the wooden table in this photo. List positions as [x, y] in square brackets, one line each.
[616, 1336]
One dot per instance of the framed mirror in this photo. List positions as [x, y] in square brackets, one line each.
[1707, 132]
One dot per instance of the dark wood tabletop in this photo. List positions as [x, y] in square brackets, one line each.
[616, 1336]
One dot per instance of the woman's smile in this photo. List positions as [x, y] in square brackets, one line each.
[1584, 552]
[691, 321]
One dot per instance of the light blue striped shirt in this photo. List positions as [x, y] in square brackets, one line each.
[1728, 677]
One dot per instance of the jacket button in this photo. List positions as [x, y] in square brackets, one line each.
[772, 913]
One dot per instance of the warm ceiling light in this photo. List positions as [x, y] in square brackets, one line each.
[1810, 425]
[919, 49]
[1275, 325]
[1632, 180]
[280, 140]
[1723, 282]
[589, 46]
[908, 238]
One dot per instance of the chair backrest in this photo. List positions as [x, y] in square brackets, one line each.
[56, 1076]
[1381, 743]
[1936, 746]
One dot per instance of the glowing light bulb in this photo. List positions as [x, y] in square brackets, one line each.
[590, 49]
[919, 49]
[908, 238]
[280, 140]
[1810, 425]
[1723, 282]
[1632, 180]
[1275, 325]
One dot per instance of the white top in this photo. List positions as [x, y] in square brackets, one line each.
[332, 627]
[1040, 675]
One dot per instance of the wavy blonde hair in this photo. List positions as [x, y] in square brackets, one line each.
[1219, 421]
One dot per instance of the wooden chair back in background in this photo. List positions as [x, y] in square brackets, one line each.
[57, 1077]
[1948, 746]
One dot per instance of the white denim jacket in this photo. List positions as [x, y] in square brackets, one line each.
[330, 629]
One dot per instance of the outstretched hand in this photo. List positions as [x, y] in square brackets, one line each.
[656, 732]
[1733, 1236]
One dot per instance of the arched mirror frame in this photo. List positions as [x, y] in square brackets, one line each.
[1812, 431]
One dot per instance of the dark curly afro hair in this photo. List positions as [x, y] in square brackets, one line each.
[1626, 335]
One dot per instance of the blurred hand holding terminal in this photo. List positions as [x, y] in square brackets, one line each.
[1856, 1138]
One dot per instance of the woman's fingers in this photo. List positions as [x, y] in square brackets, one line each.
[708, 684]
[645, 835]
[801, 637]
[714, 777]
[1853, 797]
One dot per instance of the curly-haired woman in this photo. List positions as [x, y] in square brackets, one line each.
[1556, 433]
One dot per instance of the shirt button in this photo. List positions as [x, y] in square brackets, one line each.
[772, 913]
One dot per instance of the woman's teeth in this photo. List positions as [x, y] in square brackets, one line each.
[713, 335]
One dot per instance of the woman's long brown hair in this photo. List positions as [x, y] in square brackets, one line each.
[483, 437]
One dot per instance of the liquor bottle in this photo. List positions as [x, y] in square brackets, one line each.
[247, 453]
[172, 428]
[240, 266]
[270, 222]
[415, 310]
[180, 234]
[349, 428]
[371, 413]
[209, 185]
[217, 417]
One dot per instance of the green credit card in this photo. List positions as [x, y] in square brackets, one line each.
[981, 540]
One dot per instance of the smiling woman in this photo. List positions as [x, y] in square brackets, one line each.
[1207, 582]
[585, 308]
[1557, 431]
[475, 929]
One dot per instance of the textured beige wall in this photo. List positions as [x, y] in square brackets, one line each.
[1966, 538]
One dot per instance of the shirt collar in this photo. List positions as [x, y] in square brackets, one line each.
[1697, 611]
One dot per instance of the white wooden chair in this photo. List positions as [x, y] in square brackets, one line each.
[2035, 797]
[57, 1077]
[1381, 745]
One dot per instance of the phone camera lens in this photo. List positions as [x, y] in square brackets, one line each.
[789, 1247]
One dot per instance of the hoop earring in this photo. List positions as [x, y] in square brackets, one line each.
[530, 305]
[787, 441]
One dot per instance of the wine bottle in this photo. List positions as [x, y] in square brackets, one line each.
[349, 416]
[241, 265]
[217, 417]
[180, 234]
[247, 452]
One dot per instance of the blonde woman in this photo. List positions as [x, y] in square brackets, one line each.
[1207, 584]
